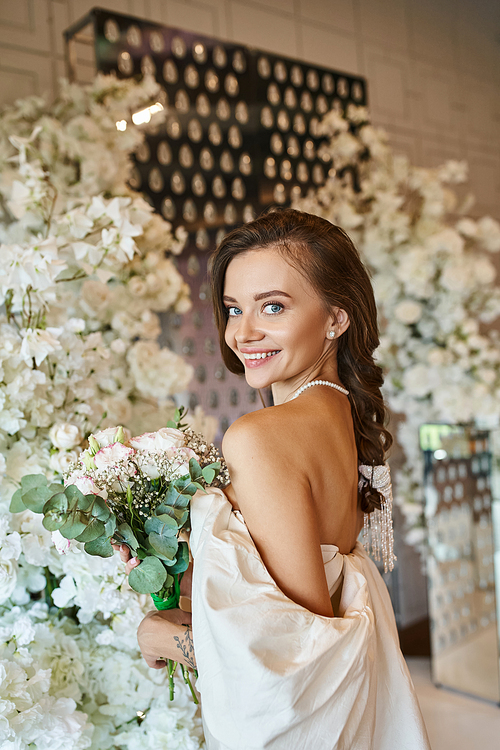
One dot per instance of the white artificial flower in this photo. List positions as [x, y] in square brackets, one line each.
[65, 436]
[63, 595]
[38, 344]
[62, 461]
[8, 578]
[157, 372]
[408, 311]
[118, 346]
[453, 171]
[488, 233]
[484, 270]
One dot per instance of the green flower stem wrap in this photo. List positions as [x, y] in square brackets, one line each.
[172, 602]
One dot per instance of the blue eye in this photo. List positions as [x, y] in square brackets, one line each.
[233, 311]
[274, 308]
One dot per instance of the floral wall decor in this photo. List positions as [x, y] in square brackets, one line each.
[434, 283]
[85, 268]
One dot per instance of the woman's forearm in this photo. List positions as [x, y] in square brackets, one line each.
[166, 635]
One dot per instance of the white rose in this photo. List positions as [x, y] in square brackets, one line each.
[65, 436]
[95, 295]
[62, 461]
[169, 437]
[137, 286]
[118, 346]
[408, 311]
[108, 436]
[163, 439]
[8, 578]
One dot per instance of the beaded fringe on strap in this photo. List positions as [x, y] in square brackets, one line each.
[378, 535]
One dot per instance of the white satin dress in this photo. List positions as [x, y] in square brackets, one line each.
[275, 676]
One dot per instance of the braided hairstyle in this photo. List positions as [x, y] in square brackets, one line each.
[325, 255]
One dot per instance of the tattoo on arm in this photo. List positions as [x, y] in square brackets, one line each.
[185, 645]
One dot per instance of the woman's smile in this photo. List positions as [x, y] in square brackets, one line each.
[257, 358]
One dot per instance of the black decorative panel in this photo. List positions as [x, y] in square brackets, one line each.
[240, 135]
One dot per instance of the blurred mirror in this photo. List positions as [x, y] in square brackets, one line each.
[462, 508]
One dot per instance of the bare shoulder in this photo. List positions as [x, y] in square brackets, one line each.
[260, 430]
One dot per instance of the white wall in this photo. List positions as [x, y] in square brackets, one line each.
[433, 66]
[433, 70]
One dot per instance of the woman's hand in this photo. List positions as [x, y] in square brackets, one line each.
[126, 557]
[164, 634]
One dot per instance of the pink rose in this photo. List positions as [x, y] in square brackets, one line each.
[112, 454]
[86, 485]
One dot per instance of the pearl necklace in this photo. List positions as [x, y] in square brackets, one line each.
[319, 382]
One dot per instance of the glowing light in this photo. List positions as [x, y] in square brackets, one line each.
[141, 117]
[440, 454]
[144, 115]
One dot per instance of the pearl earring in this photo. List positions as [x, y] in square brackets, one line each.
[331, 334]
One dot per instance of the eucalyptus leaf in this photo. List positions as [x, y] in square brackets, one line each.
[35, 498]
[182, 559]
[128, 536]
[55, 510]
[94, 530]
[208, 474]
[110, 526]
[53, 521]
[16, 502]
[75, 496]
[163, 525]
[99, 508]
[166, 546]
[183, 501]
[73, 526]
[148, 577]
[100, 547]
[194, 469]
[30, 481]
[57, 503]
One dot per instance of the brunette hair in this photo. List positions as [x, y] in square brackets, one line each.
[324, 254]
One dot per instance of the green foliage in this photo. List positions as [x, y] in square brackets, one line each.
[154, 539]
[148, 577]
[100, 547]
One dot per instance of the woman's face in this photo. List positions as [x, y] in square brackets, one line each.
[277, 325]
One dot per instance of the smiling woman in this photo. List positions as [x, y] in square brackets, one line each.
[293, 629]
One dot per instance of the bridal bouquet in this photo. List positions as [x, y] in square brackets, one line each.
[134, 491]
